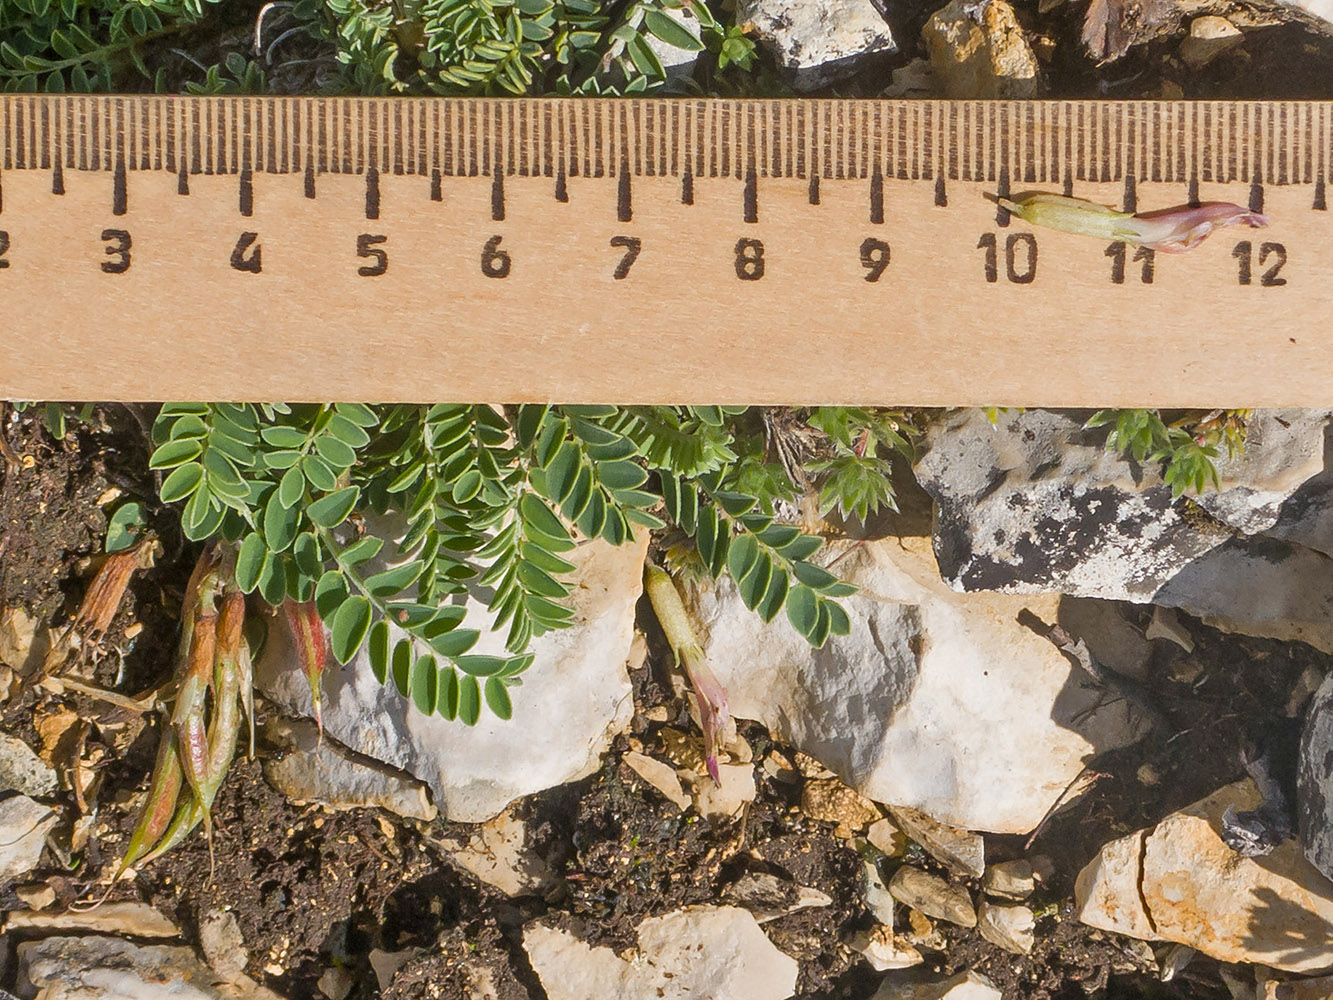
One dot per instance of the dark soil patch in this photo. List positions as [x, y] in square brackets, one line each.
[314, 889]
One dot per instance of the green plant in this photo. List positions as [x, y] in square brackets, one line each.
[85, 45]
[55, 416]
[1186, 448]
[519, 46]
[488, 497]
[857, 478]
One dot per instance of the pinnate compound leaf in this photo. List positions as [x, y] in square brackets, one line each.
[497, 699]
[349, 626]
[469, 700]
[803, 610]
[331, 510]
[182, 482]
[380, 649]
[250, 562]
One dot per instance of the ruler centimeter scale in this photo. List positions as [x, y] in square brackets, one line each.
[689, 251]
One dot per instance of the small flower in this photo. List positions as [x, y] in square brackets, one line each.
[1171, 230]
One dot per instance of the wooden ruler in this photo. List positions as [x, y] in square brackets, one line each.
[690, 251]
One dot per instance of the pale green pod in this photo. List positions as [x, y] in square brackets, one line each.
[1071, 215]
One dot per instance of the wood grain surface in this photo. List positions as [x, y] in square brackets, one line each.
[686, 251]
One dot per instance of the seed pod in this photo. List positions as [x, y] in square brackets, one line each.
[311, 646]
[160, 804]
[1170, 230]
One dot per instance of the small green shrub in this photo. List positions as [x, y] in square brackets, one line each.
[1186, 448]
[85, 45]
[495, 499]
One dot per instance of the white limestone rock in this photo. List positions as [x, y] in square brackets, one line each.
[499, 855]
[24, 825]
[718, 952]
[1314, 782]
[678, 61]
[937, 701]
[315, 770]
[1210, 36]
[573, 700]
[909, 986]
[933, 896]
[961, 851]
[817, 43]
[110, 968]
[1007, 927]
[23, 771]
[1178, 881]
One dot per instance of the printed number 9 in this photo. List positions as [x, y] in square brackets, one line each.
[874, 257]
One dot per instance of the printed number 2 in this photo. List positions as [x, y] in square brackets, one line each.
[1244, 254]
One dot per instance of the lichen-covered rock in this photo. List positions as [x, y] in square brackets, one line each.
[1037, 504]
[1314, 786]
[977, 50]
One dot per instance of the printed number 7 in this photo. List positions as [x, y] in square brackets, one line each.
[632, 246]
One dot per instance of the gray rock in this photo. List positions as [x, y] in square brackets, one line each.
[315, 770]
[1113, 641]
[1306, 517]
[110, 968]
[1010, 879]
[24, 825]
[1037, 504]
[961, 851]
[1008, 927]
[884, 950]
[964, 986]
[936, 701]
[23, 771]
[1321, 10]
[718, 952]
[573, 700]
[1210, 36]
[677, 62]
[933, 896]
[769, 897]
[222, 943]
[978, 50]
[123, 919]
[879, 901]
[499, 855]
[817, 42]
[1314, 798]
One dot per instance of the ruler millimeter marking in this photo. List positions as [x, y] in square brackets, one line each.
[1033, 142]
[654, 250]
